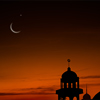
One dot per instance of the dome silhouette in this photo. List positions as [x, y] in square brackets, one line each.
[97, 96]
[86, 97]
[69, 74]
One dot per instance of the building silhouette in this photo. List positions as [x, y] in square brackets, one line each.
[86, 96]
[69, 85]
[97, 96]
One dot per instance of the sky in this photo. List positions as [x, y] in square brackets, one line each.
[33, 61]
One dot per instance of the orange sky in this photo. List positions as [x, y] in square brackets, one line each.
[33, 61]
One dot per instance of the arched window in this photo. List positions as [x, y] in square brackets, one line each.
[74, 98]
[67, 85]
[76, 85]
[71, 85]
[62, 85]
[67, 98]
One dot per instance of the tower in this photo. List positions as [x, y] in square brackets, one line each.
[69, 85]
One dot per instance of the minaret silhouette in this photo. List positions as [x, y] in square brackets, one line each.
[86, 96]
[69, 85]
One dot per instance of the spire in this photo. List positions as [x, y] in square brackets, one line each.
[69, 69]
[68, 62]
[86, 88]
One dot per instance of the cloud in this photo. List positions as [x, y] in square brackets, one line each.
[52, 88]
[2, 94]
[28, 93]
[34, 91]
[86, 77]
[93, 84]
[43, 90]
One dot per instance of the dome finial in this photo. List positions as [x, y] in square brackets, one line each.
[69, 69]
[68, 62]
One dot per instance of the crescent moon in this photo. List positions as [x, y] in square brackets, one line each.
[13, 30]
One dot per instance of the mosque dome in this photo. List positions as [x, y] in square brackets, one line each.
[86, 97]
[97, 96]
[69, 74]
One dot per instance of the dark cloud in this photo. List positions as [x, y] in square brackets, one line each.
[86, 77]
[32, 91]
[28, 93]
[2, 94]
[94, 84]
[47, 90]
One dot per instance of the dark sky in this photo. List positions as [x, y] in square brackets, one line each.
[51, 32]
[44, 18]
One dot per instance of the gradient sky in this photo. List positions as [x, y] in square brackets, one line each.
[32, 62]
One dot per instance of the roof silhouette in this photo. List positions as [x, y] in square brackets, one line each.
[86, 97]
[97, 96]
[69, 73]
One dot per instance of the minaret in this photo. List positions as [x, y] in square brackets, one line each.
[69, 85]
[86, 96]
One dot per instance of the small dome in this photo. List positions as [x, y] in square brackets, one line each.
[97, 96]
[86, 97]
[69, 74]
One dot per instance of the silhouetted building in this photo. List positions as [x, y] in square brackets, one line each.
[69, 85]
[97, 96]
[86, 96]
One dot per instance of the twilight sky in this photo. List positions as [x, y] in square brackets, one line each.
[32, 62]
